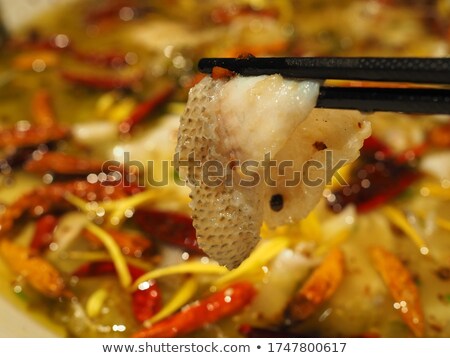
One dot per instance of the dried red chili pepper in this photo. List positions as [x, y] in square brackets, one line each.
[51, 198]
[101, 82]
[110, 10]
[226, 14]
[440, 136]
[169, 227]
[35, 42]
[412, 154]
[43, 233]
[41, 109]
[220, 72]
[23, 143]
[221, 304]
[16, 158]
[31, 136]
[93, 269]
[382, 183]
[377, 177]
[131, 243]
[36, 270]
[146, 302]
[102, 268]
[374, 149]
[62, 163]
[318, 288]
[109, 59]
[145, 108]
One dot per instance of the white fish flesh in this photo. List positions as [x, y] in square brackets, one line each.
[233, 138]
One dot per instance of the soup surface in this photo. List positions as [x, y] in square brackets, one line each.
[96, 238]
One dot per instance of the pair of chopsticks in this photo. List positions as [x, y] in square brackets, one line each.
[422, 100]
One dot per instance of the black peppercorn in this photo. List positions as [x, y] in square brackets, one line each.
[276, 202]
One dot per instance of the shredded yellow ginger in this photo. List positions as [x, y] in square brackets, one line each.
[193, 267]
[437, 190]
[117, 208]
[398, 218]
[266, 251]
[95, 302]
[116, 110]
[113, 249]
[338, 238]
[443, 223]
[310, 229]
[178, 300]
[263, 253]
[306, 229]
[439, 221]
[91, 256]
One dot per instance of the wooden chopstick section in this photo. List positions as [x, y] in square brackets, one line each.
[403, 69]
[406, 100]
[423, 100]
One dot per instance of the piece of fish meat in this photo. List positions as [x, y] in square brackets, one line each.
[233, 138]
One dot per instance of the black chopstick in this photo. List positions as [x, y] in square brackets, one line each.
[403, 69]
[367, 99]
[405, 100]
